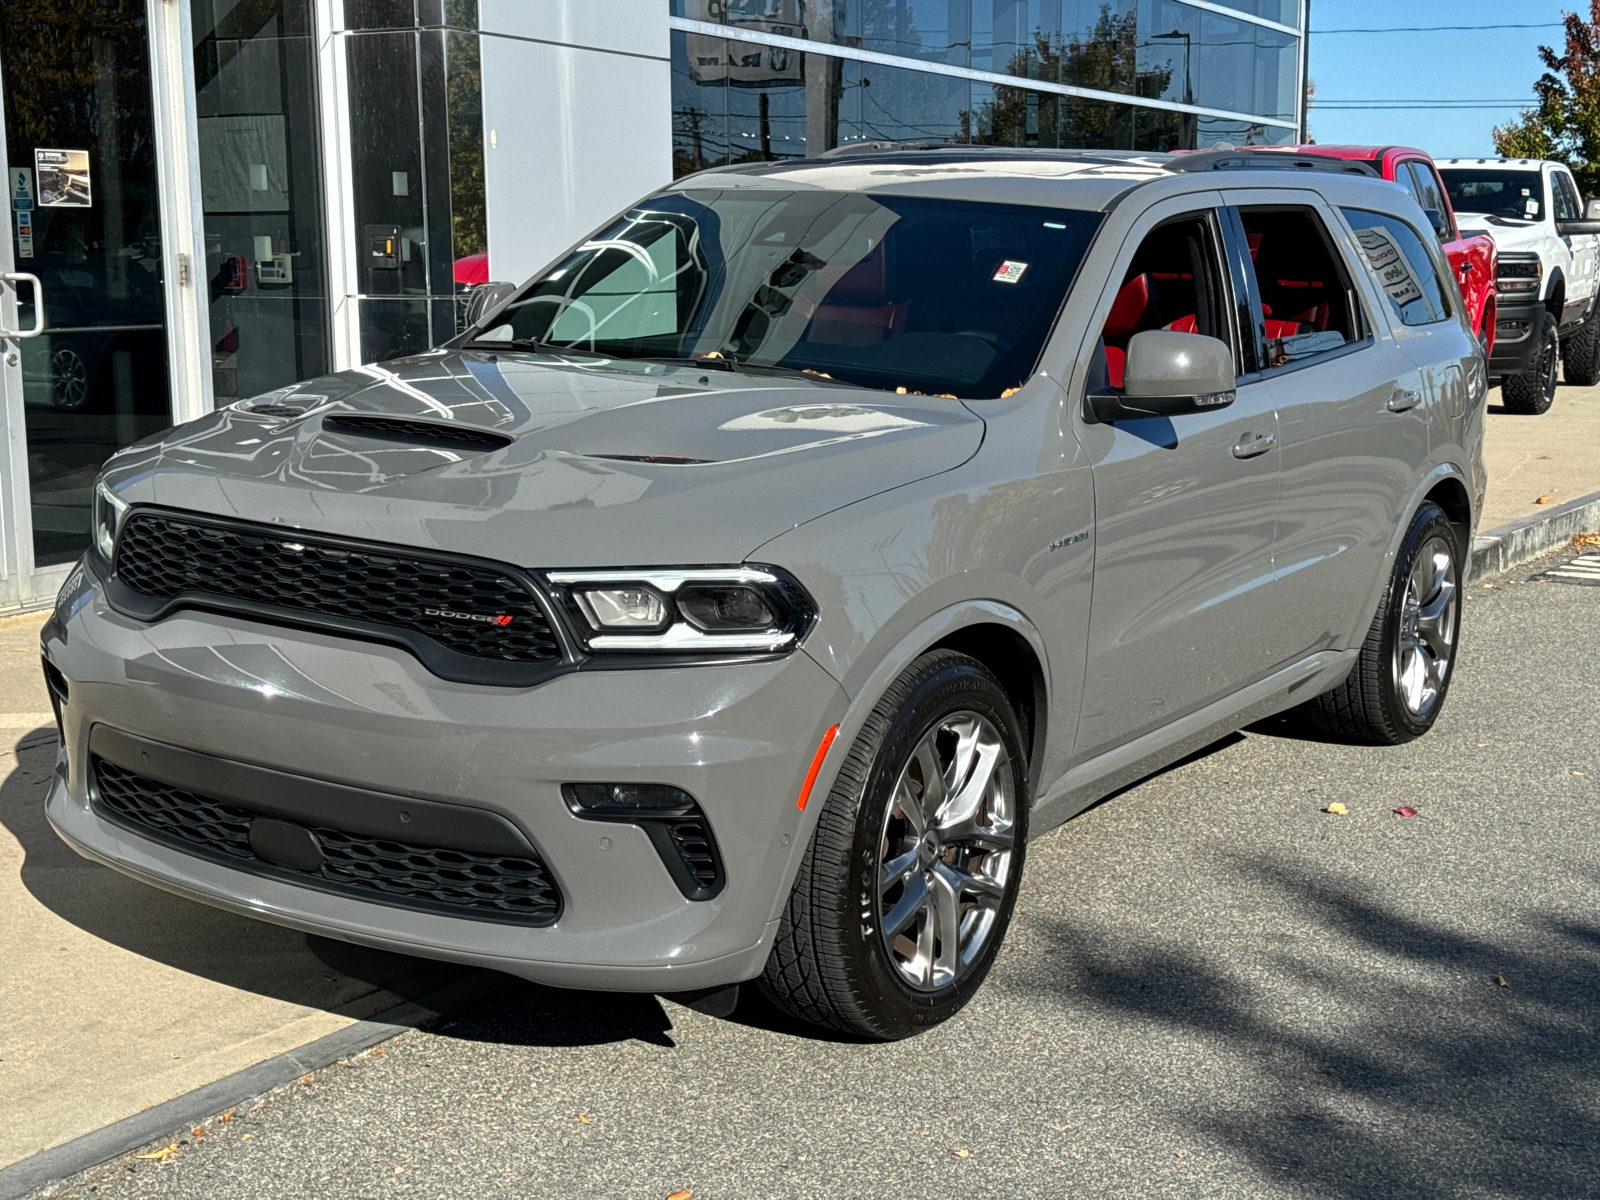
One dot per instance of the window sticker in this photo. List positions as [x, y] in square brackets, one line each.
[1390, 266]
[63, 178]
[1010, 272]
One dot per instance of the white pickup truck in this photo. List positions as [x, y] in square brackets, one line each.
[1548, 243]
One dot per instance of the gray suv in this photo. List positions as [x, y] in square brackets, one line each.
[737, 597]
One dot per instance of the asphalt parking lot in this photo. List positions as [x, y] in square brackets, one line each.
[1214, 988]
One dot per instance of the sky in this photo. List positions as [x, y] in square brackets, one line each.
[1487, 65]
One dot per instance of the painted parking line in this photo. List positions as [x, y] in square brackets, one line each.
[1583, 571]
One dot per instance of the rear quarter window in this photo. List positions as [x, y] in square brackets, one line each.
[1394, 254]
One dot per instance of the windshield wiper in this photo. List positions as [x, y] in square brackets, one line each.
[724, 362]
[528, 344]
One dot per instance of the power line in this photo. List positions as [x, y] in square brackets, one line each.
[1435, 28]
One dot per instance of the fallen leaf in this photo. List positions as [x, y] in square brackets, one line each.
[1585, 539]
[162, 1154]
[227, 1116]
[1501, 980]
[585, 1119]
[961, 1152]
[198, 1131]
[1577, 772]
[680, 1195]
[1337, 809]
[242, 1136]
[899, 391]
[1542, 500]
[926, 1132]
[1405, 811]
[1009, 392]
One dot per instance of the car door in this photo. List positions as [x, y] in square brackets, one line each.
[1350, 415]
[1185, 507]
[1568, 207]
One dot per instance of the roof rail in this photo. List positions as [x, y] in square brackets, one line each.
[1244, 160]
[888, 147]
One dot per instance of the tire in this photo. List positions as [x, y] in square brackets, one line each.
[1534, 390]
[1580, 353]
[830, 964]
[1403, 672]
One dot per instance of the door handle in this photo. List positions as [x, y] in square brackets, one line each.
[1404, 399]
[1252, 444]
[16, 277]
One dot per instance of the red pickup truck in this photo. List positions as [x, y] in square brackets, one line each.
[1472, 255]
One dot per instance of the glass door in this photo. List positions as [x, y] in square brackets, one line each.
[84, 219]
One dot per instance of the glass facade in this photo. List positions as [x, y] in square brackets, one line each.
[752, 99]
[261, 191]
[416, 151]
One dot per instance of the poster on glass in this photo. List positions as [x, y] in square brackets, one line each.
[63, 178]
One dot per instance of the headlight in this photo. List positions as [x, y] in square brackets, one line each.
[108, 511]
[696, 610]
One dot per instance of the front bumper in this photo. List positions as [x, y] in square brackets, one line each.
[738, 738]
[1515, 338]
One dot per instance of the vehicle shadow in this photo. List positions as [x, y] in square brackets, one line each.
[1385, 1056]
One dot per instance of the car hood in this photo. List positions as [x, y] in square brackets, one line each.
[603, 463]
[1507, 234]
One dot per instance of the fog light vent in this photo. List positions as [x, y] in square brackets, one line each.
[671, 819]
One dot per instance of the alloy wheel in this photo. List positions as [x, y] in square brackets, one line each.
[69, 379]
[1425, 641]
[1549, 365]
[946, 850]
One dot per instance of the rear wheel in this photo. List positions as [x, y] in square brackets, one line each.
[1534, 390]
[1404, 668]
[907, 888]
[1580, 354]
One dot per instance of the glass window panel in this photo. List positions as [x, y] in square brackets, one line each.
[1399, 262]
[261, 188]
[1285, 12]
[78, 84]
[699, 102]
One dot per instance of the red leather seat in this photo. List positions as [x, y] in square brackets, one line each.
[856, 311]
[1126, 319]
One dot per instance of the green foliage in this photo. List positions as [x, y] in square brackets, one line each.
[464, 108]
[1565, 126]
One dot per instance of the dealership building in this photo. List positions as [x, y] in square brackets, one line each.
[209, 199]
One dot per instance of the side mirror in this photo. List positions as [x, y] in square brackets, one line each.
[1574, 228]
[486, 297]
[1169, 374]
[1591, 210]
[1441, 227]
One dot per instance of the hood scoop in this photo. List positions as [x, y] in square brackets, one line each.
[433, 434]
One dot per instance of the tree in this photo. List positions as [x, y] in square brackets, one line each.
[1566, 124]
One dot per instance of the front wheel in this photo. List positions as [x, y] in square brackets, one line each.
[1534, 390]
[907, 888]
[1398, 686]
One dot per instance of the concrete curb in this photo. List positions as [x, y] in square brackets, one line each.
[181, 1113]
[1496, 551]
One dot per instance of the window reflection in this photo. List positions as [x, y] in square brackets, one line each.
[738, 101]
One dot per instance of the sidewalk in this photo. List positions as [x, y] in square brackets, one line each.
[117, 996]
[1555, 455]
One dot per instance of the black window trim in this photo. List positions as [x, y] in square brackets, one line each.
[1364, 326]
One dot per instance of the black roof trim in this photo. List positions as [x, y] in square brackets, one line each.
[1245, 160]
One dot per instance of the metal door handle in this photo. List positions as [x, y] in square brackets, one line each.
[15, 277]
[1404, 399]
[1252, 444]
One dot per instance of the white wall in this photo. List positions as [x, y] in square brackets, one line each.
[577, 98]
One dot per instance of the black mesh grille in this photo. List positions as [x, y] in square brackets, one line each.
[496, 886]
[159, 555]
[429, 433]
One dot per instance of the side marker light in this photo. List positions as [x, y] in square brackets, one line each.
[816, 766]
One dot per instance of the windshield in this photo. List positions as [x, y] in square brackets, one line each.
[1518, 195]
[941, 297]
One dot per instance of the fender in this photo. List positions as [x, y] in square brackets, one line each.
[891, 661]
[1430, 480]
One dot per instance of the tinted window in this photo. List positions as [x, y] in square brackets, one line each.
[932, 296]
[1306, 303]
[1567, 206]
[1427, 191]
[1514, 195]
[1399, 262]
